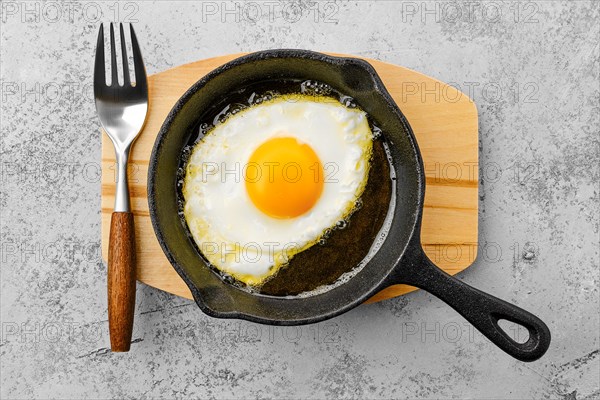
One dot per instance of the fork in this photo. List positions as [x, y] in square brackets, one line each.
[122, 112]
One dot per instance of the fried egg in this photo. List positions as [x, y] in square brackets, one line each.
[271, 180]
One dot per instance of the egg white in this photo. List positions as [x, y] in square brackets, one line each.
[232, 233]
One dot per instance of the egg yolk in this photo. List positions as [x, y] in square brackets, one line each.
[284, 178]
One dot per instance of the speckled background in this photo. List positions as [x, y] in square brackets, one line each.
[533, 71]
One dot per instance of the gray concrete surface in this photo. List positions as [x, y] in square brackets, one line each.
[533, 71]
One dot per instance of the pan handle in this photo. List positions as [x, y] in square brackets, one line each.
[482, 310]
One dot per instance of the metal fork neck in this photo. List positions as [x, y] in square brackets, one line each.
[122, 203]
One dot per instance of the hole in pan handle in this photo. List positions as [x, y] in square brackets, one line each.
[482, 310]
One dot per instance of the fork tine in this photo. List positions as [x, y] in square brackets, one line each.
[138, 62]
[126, 81]
[99, 67]
[113, 57]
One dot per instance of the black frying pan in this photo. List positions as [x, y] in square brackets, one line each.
[400, 259]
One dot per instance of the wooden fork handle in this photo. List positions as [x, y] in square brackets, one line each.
[121, 280]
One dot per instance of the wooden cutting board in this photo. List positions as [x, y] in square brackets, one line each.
[444, 121]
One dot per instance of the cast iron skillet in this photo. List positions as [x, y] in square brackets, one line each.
[400, 259]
